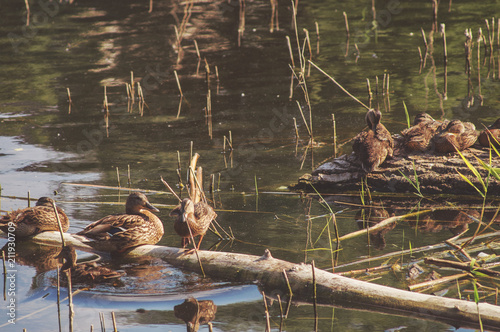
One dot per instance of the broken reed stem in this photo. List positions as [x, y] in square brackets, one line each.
[128, 176]
[290, 293]
[370, 94]
[241, 26]
[178, 82]
[118, 177]
[197, 49]
[281, 310]
[150, 11]
[315, 304]
[346, 25]
[290, 50]
[304, 118]
[59, 297]
[445, 60]
[479, 37]
[27, 4]
[4, 276]
[297, 137]
[340, 86]
[58, 223]
[317, 37]
[334, 136]
[132, 85]
[103, 323]
[297, 32]
[268, 322]
[426, 46]
[71, 312]
[170, 188]
[113, 313]
[69, 96]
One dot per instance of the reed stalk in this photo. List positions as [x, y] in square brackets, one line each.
[113, 317]
[178, 82]
[290, 51]
[27, 4]
[118, 177]
[445, 61]
[334, 136]
[315, 298]
[317, 37]
[150, 6]
[266, 311]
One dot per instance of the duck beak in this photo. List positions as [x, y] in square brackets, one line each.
[151, 207]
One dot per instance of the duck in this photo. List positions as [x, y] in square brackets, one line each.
[372, 147]
[194, 216]
[194, 313]
[418, 137]
[85, 273]
[456, 135]
[34, 220]
[491, 135]
[119, 232]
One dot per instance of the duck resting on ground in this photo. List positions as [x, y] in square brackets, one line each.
[491, 135]
[119, 232]
[418, 137]
[34, 220]
[85, 273]
[372, 147]
[196, 217]
[457, 135]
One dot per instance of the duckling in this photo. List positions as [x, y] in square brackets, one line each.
[418, 137]
[119, 232]
[372, 147]
[457, 135]
[85, 273]
[196, 217]
[194, 313]
[34, 220]
[491, 135]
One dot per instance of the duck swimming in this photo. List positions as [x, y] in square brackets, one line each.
[372, 147]
[34, 220]
[194, 216]
[85, 273]
[418, 137]
[491, 135]
[457, 135]
[119, 232]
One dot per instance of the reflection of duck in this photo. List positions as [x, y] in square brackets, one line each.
[457, 135]
[491, 134]
[195, 313]
[196, 217]
[34, 220]
[418, 137]
[118, 232]
[367, 218]
[372, 147]
[86, 273]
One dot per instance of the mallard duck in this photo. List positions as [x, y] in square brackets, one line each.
[457, 135]
[491, 135]
[194, 313]
[85, 273]
[372, 147]
[34, 220]
[119, 232]
[196, 217]
[418, 137]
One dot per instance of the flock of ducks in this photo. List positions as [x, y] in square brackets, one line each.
[115, 233]
[427, 135]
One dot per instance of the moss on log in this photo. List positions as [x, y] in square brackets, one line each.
[332, 289]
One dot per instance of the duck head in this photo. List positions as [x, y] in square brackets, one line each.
[373, 117]
[136, 202]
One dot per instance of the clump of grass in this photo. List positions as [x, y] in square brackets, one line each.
[415, 183]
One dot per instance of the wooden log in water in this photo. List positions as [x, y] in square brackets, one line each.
[278, 277]
[437, 174]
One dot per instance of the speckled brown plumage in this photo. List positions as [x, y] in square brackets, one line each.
[194, 313]
[372, 147]
[491, 135]
[457, 135]
[196, 217]
[85, 273]
[34, 220]
[418, 137]
[118, 232]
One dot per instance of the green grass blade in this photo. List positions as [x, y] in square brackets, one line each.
[407, 115]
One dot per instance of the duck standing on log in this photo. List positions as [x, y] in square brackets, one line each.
[119, 232]
[34, 220]
[491, 135]
[457, 135]
[194, 216]
[372, 147]
[418, 137]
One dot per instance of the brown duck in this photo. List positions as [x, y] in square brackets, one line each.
[457, 135]
[372, 147]
[119, 232]
[194, 313]
[491, 135]
[85, 273]
[196, 217]
[418, 137]
[34, 220]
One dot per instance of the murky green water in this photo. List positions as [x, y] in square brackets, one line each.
[45, 144]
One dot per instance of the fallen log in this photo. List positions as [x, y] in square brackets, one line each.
[281, 277]
[437, 174]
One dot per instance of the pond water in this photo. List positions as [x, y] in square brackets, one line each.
[49, 145]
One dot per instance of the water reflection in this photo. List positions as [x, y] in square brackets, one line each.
[366, 218]
[195, 313]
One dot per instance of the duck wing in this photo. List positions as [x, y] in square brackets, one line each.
[111, 225]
